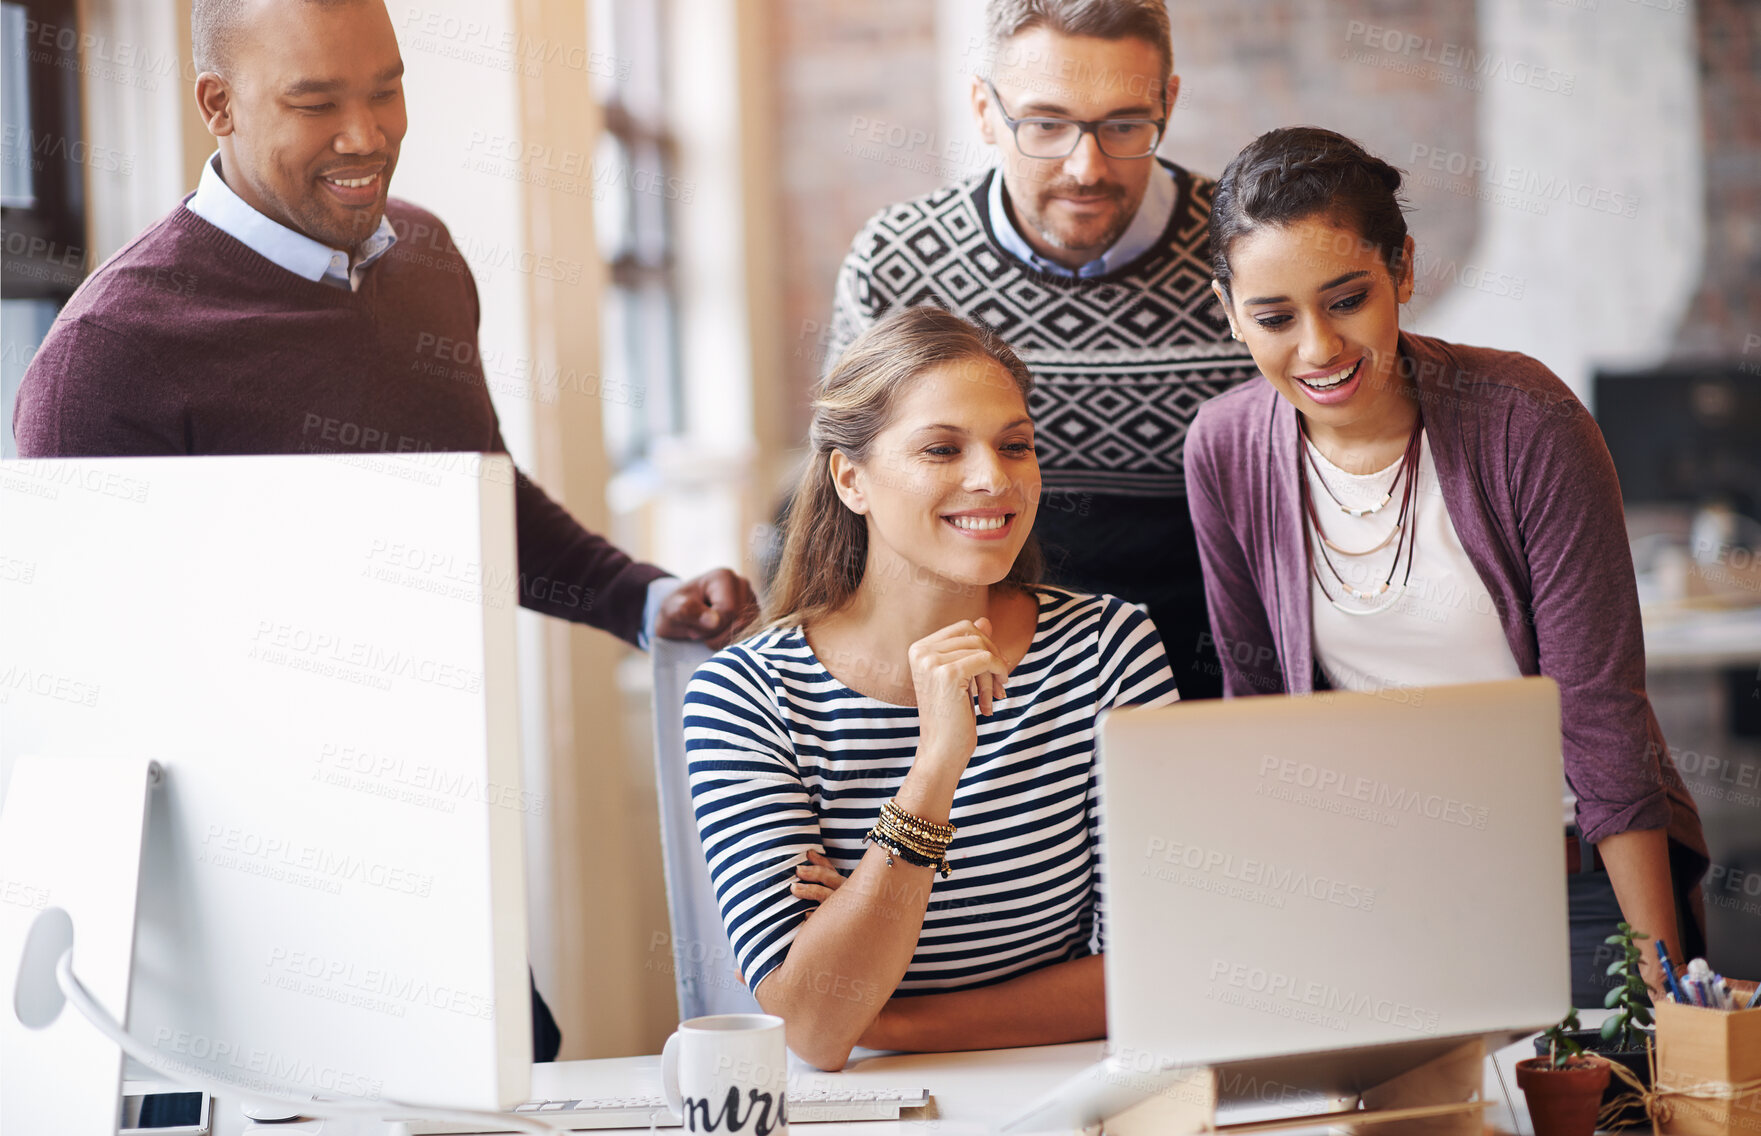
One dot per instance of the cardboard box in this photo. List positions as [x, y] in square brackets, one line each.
[1709, 1049]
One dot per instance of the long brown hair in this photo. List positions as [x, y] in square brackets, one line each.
[825, 545]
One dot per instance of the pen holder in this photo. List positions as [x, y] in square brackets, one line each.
[1709, 1070]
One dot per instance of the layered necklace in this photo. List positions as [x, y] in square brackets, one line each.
[1401, 536]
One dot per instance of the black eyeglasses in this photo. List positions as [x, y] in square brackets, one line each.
[1059, 137]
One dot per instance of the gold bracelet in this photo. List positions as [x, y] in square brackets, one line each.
[891, 811]
[921, 845]
[904, 839]
[913, 839]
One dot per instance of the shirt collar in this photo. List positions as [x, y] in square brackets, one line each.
[216, 203]
[1146, 228]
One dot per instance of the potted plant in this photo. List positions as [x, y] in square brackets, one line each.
[1623, 1038]
[1564, 1085]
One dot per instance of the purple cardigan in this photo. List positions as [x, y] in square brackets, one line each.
[1532, 492]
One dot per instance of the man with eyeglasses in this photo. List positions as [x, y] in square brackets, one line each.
[1089, 255]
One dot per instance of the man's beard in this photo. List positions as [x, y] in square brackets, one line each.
[1107, 241]
[1121, 221]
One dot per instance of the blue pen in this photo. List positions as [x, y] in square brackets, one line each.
[1670, 982]
[1754, 999]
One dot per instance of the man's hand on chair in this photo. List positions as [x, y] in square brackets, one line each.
[713, 607]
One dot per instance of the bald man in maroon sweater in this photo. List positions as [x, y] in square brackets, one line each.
[290, 306]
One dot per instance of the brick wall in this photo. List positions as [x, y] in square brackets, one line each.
[1248, 66]
[846, 69]
[1726, 312]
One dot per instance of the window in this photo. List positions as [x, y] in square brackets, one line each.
[42, 190]
[633, 175]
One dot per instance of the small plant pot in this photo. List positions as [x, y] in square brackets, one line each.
[1634, 1060]
[1563, 1102]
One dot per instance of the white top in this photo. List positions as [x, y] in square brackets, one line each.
[1441, 628]
[216, 203]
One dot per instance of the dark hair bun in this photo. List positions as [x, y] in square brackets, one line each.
[1296, 172]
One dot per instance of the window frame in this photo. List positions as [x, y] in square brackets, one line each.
[43, 248]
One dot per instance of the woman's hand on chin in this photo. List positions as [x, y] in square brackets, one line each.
[949, 669]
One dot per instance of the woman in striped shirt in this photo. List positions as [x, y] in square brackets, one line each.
[909, 656]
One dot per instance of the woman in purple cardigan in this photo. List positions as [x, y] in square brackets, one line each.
[1387, 509]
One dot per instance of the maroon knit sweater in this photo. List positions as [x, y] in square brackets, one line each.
[188, 342]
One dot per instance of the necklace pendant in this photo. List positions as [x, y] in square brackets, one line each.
[1368, 509]
[1366, 596]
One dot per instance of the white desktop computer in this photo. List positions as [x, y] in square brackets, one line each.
[317, 655]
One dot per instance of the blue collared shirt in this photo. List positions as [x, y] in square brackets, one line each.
[1153, 213]
[216, 203]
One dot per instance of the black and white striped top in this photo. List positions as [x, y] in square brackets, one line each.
[784, 758]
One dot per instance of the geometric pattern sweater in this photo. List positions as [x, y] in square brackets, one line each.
[1121, 362]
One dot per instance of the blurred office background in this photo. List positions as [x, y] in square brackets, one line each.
[655, 196]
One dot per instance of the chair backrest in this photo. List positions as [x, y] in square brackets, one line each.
[704, 969]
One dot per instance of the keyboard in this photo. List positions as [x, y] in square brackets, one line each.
[805, 1107]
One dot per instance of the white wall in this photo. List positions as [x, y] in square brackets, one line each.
[960, 54]
[460, 89]
[135, 93]
[1598, 209]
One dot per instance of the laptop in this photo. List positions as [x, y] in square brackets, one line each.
[1312, 895]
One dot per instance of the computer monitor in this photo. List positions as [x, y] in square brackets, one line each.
[319, 653]
[1685, 434]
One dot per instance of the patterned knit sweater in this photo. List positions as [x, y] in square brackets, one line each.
[1121, 361]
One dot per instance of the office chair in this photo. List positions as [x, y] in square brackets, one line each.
[705, 972]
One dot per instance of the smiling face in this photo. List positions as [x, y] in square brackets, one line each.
[1320, 311]
[311, 115]
[1072, 209]
[951, 485]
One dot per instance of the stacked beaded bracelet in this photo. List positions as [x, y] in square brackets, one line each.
[919, 842]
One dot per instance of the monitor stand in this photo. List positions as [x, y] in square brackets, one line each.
[71, 835]
[1440, 1097]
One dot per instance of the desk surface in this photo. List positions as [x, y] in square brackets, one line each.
[1683, 639]
[972, 1091]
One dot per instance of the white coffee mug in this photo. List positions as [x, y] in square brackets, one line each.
[728, 1073]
